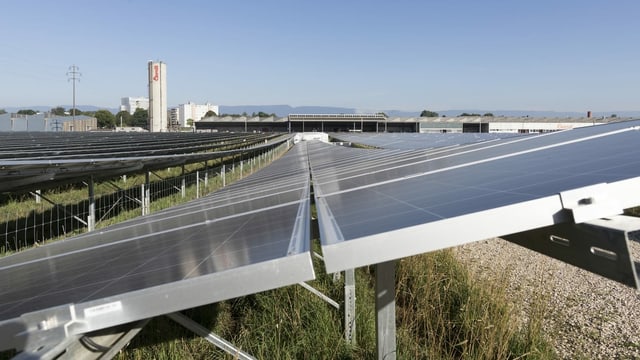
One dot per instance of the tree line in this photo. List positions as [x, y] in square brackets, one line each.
[428, 113]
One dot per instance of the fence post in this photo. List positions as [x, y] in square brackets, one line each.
[91, 217]
[146, 194]
[224, 180]
[197, 184]
[183, 185]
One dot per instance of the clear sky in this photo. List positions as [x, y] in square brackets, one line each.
[562, 55]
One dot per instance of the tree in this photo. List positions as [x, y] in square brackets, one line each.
[27, 112]
[190, 122]
[427, 113]
[140, 118]
[59, 111]
[467, 114]
[209, 114]
[124, 118]
[488, 114]
[614, 116]
[3, 111]
[78, 112]
[105, 118]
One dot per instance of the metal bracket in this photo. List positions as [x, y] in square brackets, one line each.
[590, 202]
[600, 246]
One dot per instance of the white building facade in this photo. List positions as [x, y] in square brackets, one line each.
[130, 104]
[181, 114]
[158, 114]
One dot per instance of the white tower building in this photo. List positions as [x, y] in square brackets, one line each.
[157, 96]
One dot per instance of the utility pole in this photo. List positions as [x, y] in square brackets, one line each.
[74, 75]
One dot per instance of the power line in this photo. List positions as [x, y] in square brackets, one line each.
[74, 75]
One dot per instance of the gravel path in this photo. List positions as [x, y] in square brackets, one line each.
[586, 315]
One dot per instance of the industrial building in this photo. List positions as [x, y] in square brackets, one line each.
[380, 123]
[47, 122]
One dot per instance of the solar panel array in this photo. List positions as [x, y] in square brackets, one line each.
[31, 161]
[379, 205]
[249, 237]
[373, 205]
[412, 141]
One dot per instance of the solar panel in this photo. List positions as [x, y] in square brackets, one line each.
[408, 141]
[375, 214]
[233, 243]
[54, 169]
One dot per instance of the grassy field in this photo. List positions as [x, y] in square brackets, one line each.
[441, 314]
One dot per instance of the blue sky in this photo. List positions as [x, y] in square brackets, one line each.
[562, 55]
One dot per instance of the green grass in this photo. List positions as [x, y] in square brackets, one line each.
[441, 314]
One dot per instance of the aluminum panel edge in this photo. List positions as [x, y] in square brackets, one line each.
[34, 330]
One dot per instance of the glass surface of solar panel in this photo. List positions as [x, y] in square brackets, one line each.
[408, 141]
[68, 160]
[223, 238]
[465, 183]
[139, 261]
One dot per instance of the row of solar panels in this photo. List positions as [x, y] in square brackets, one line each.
[47, 146]
[59, 162]
[373, 206]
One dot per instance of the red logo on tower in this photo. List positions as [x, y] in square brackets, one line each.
[156, 72]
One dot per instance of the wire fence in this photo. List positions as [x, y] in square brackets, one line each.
[33, 219]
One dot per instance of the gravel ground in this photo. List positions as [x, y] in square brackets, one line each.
[586, 315]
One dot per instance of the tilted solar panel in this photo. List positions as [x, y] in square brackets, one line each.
[233, 243]
[375, 215]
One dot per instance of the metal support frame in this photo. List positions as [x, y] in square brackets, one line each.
[209, 336]
[102, 344]
[350, 306]
[386, 310]
[183, 185]
[91, 217]
[600, 246]
[322, 296]
[76, 217]
[146, 193]
[197, 184]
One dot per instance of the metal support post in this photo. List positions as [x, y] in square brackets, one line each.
[146, 202]
[386, 310]
[183, 184]
[350, 306]
[38, 197]
[222, 173]
[197, 184]
[91, 217]
[143, 191]
[241, 167]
